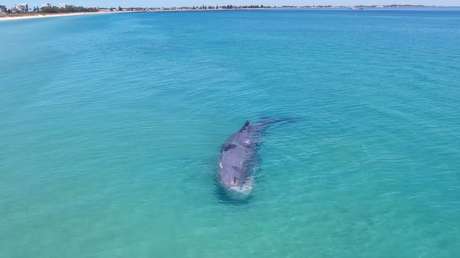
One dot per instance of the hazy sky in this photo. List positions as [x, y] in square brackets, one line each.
[159, 3]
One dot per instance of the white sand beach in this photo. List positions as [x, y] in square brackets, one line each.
[38, 16]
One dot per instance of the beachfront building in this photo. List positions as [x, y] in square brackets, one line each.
[21, 8]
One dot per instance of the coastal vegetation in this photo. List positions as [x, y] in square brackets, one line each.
[66, 9]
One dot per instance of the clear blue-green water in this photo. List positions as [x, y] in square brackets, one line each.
[110, 127]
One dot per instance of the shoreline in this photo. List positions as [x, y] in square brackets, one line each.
[166, 10]
[42, 16]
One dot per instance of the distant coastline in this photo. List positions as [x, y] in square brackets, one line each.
[94, 11]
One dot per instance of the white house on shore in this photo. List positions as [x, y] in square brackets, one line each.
[21, 8]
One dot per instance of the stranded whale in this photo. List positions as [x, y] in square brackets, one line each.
[238, 157]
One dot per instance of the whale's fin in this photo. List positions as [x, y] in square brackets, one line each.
[227, 146]
[245, 126]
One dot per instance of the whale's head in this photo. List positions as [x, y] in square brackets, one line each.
[241, 191]
[235, 183]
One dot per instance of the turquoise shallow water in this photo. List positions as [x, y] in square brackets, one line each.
[110, 128]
